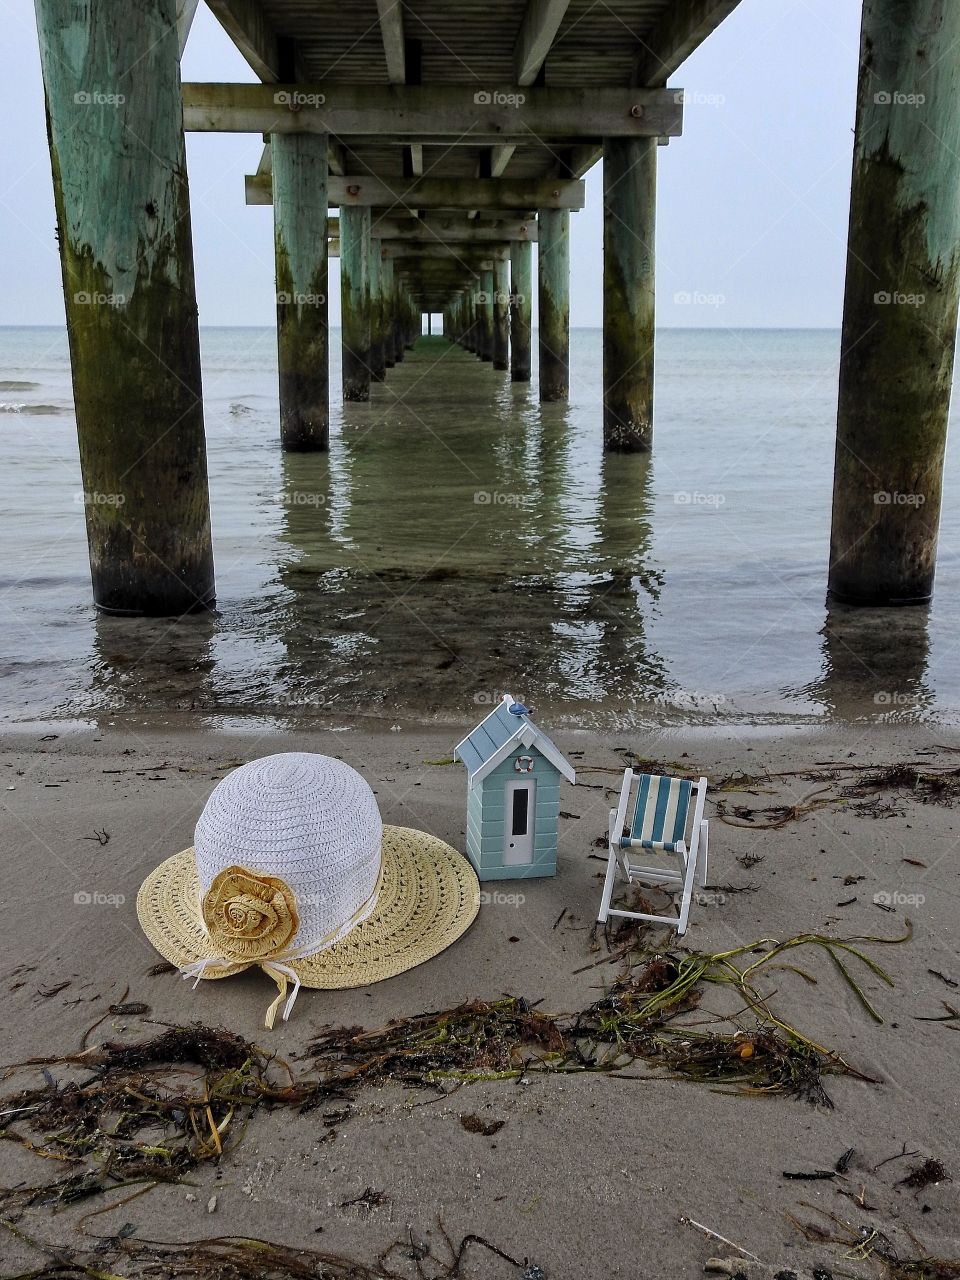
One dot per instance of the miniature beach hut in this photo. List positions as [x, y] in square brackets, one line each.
[513, 795]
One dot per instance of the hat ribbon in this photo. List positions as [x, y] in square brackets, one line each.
[274, 967]
[279, 972]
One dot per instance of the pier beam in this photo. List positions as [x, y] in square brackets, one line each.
[629, 217]
[485, 313]
[501, 313]
[521, 309]
[554, 301]
[355, 300]
[900, 304]
[114, 122]
[300, 244]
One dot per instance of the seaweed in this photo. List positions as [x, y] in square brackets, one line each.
[869, 1243]
[250, 1258]
[152, 1111]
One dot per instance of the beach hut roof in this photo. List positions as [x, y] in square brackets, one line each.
[499, 736]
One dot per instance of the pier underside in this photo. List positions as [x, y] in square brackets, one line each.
[451, 136]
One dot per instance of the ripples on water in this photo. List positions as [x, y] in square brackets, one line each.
[460, 539]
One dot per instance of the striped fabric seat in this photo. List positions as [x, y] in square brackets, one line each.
[660, 816]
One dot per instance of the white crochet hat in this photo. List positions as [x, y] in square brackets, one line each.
[292, 870]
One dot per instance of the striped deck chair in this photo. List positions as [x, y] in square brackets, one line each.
[660, 818]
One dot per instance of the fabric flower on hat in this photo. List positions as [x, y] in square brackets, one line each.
[248, 916]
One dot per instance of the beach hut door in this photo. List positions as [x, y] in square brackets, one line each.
[520, 797]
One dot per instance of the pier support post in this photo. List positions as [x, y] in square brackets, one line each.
[521, 309]
[392, 348]
[554, 301]
[300, 245]
[355, 300]
[378, 363]
[114, 122]
[900, 304]
[485, 308]
[629, 218]
[501, 313]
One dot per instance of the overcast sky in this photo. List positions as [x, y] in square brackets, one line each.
[753, 199]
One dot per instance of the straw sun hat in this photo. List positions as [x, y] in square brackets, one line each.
[292, 870]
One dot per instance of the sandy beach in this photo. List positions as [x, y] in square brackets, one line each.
[590, 1174]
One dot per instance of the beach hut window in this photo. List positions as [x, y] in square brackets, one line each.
[521, 805]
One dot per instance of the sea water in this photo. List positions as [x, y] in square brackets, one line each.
[460, 540]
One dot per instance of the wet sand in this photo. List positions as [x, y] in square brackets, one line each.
[590, 1175]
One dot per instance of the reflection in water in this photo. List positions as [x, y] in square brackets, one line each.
[460, 539]
[874, 663]
[450, 549]
[142, 662]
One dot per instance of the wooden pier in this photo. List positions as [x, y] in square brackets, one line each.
[452, 136]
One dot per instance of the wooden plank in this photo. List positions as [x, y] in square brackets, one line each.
[445, 113]
[390, 13]
[540, 25]
[248, 28]
[685, 24]
[397, 194]
[448, 231]
[439, 251]
[186, 12]
[500, 157]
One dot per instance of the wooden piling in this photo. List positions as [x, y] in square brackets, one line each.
[629, 217]
[554, 302]
[378, 362]
[900, 304]
[300, 246]
[485, 309]
[521, 308]
[114, 125]
[355, 300]
[392, 348]
[501, 313]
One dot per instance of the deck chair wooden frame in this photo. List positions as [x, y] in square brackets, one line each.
[662, 815]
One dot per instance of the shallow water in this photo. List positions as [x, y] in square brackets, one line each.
[460, 539]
